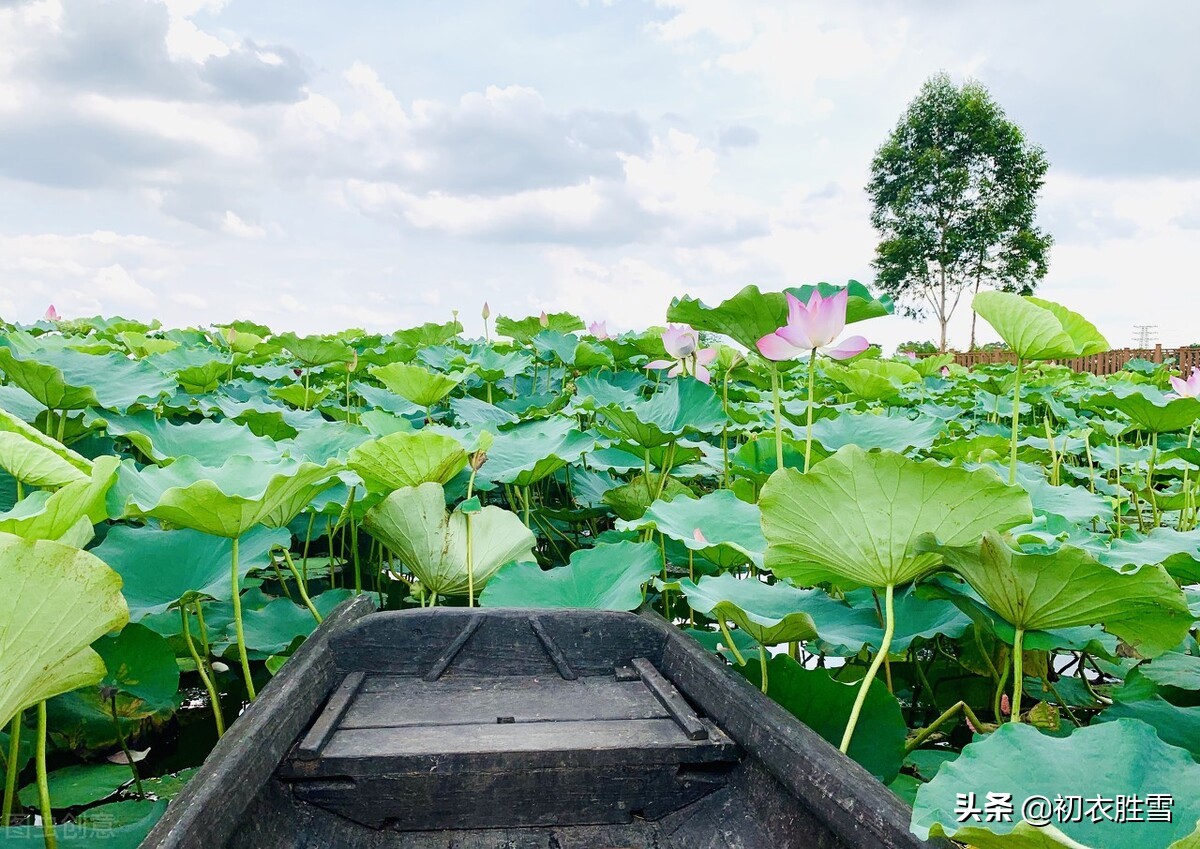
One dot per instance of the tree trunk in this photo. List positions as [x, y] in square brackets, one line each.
[974, 316]
[943, 319]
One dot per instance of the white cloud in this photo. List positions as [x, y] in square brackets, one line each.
[235, 226]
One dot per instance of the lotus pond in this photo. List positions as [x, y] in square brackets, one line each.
[978, 584]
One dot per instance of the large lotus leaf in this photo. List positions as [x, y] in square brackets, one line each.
[427, 334]
[226, 500]
[324, 441]
[1068, 588]
[301, 397]
[1149, 408]
[775, 613]
[55, 601]
[312, 351]
[45, 383]
[726, 530]
[607, 577]
[867, 385]
[276, 625]
[1122, 758]
[418, 385]
[492, 365]
[1173, 669]
[78, 785]
[686, 405]
[407, 459]
[34, 458]
[523, 330]
[1177, 552]
[476, 413]
[432, 544]
[66, 514]
[209, 442]
[141, 664]
[824, 705]
[892, 433]
[1073, 503]
[63, 378]
[532, 451]
[1178, 726]
[917, 617]
[630, 501]
[1036, 329]
[856, 516]
[750, 314]
[199, 563]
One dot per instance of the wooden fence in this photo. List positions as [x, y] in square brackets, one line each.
[1110, 362]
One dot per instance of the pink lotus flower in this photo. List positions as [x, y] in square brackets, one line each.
[812, 327]
[52, 314]
[687, 357]
[911, 355]
[1189, 388]
[599, 329]
[698, 536]
[945, 371]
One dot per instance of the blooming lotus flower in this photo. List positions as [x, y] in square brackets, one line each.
[812, 327]
[687, 357]
[52, 313]
[599, 329]
[945, 370]
[1189, 388]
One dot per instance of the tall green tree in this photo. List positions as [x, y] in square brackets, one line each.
[954, 192]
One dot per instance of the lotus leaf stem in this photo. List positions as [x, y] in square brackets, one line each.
[778, 417]
[762, 661]
[137, 779]
[214, 697]
[287, 558]
[812, 376]
[888, 631]
[237, 624]
[1016, 421]
[1018, 673]
[729, 641]
[948, 714]
[43, 784]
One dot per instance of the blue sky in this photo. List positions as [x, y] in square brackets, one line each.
[379, 164]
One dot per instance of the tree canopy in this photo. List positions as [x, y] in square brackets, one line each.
[954, 192]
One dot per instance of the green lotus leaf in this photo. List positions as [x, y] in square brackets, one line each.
[416, 384]
[1173, 669]
[535, 450]
[892, 433]
[476, 413]
[209, 442]
[1036, 329]
[523, 330]
[279, 623]
[313, 351]
[1148, 408]
[206, 377]
[750, 314]
[79, 785]
[36, 459]
[68, 513]
[1121, 758]
[66, 379]
[141, 664]
[407, 459]
[1073, 503]
[1178, 726]
[824, 705]
[917, 618]
[631, 500]
[856, 516]
[492, 365]
[432, 543]
[775, 613]
[141, 345]
[607, 577]
[55, 601]
[725, 529]
[1068, 588]
[299, 396]
[685, 406]
[224, 500]
[867, 385]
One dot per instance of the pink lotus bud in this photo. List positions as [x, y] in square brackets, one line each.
[487, 311]
[543, 319]
[353, 364]
[52, 314]
[945, 371]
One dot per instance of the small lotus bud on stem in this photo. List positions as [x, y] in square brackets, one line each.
[477, 460]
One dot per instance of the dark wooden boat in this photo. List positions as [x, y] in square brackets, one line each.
[459, 728]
